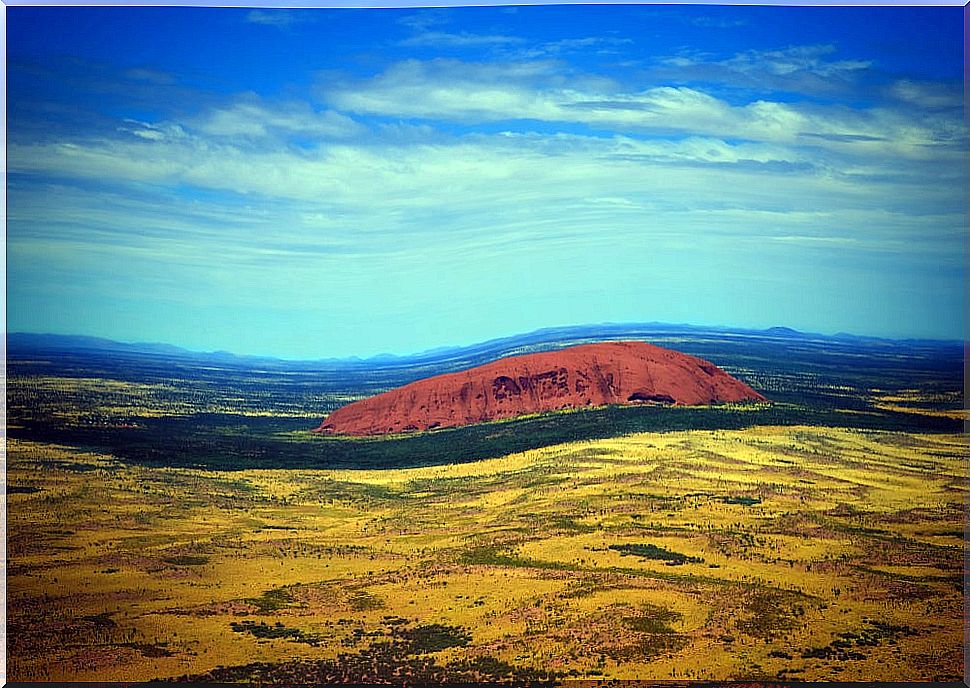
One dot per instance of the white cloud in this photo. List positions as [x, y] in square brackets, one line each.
[450, 90]
[587, 42]
[325, 232]
[793, 59]
[717, 22]
[250, 117]
[784, 62]
[425, 19]
[927, 94]
[152, 132]
[696, 149]
[476, 176]
[436, 39]
[593, 45]
[667, 164]
[277, 17]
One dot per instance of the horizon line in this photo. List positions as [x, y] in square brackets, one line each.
[445, 347]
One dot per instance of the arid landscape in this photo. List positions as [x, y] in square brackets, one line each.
[765, 550]
[527, 343]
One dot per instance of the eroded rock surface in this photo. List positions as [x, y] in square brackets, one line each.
[586, 375]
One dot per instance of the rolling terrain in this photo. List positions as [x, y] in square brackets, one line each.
[151, 406]
[173, 516]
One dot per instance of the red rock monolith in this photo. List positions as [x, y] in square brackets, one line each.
[580, 376]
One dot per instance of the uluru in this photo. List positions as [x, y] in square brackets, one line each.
[580, 376]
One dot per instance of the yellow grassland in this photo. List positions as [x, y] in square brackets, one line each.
[789, 537]
[914, 400]
[120, 400]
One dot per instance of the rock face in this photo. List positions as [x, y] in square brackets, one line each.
[587, 375]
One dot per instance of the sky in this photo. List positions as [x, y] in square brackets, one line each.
[324, 182]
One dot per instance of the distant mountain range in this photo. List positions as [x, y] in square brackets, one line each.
[540, 340]
[29, 341]
[741, 353]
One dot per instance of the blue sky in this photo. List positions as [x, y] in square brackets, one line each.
[311, 183]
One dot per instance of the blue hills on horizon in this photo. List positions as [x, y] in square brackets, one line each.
[539, 340]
